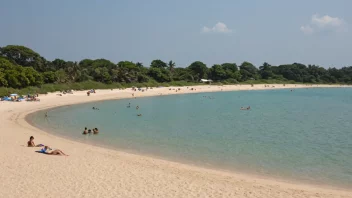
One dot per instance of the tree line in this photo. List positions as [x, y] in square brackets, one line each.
[21, 67]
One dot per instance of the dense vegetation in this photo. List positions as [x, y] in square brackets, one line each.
[21, 67]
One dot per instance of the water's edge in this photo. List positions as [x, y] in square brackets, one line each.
[28, 119]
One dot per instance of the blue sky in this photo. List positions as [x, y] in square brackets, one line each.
[275, 31]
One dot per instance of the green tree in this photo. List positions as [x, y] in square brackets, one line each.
[198, 70]
[248, 71]
[171, 66]
[73, 71]
[34, 78]
[265, 71]
[139, 64]
[24, 56]
[217, 73]
[61, 76]
[159, 74]
[58, 64]
[13, 78]
[232, 71]
[158, 64]
[50, 77]
[127, 72]
[182, 74]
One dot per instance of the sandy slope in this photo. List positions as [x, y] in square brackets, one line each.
[92, 171]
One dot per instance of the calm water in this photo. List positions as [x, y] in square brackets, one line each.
[304, 135]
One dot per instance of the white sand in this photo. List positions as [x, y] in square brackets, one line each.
[92, 171]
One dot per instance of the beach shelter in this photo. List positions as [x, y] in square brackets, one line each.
[206, 81]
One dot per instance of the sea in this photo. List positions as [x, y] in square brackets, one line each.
[303, 135]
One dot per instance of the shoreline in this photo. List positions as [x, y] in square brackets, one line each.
[188, 162]
[267, 186]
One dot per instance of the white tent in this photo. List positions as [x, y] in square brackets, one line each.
[205, 80]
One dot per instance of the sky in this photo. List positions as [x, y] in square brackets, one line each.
[274, 31]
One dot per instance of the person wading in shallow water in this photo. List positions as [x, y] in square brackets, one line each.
[85, 132]
[95, 131]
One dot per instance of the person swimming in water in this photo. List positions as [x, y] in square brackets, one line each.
[95, 131]
[46, 114]
[139, 115]
[137, 107]
[248, 108]
[129, 105]
[85, 132]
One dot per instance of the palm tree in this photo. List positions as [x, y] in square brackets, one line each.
[139, 64]
[73, 70]
[171, 66]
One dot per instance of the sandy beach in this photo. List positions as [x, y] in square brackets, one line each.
[91, 171]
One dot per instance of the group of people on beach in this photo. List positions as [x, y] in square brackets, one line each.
[90, 91]
[90, 131]
[45, 149]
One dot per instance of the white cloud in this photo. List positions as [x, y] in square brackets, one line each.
[324, 23]
[307, 29]
[218, 28]
[206, 29]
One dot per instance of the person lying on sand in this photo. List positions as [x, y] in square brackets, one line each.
[30, 143]
[54, 152]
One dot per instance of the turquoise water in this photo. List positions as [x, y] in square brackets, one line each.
[305, 135]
